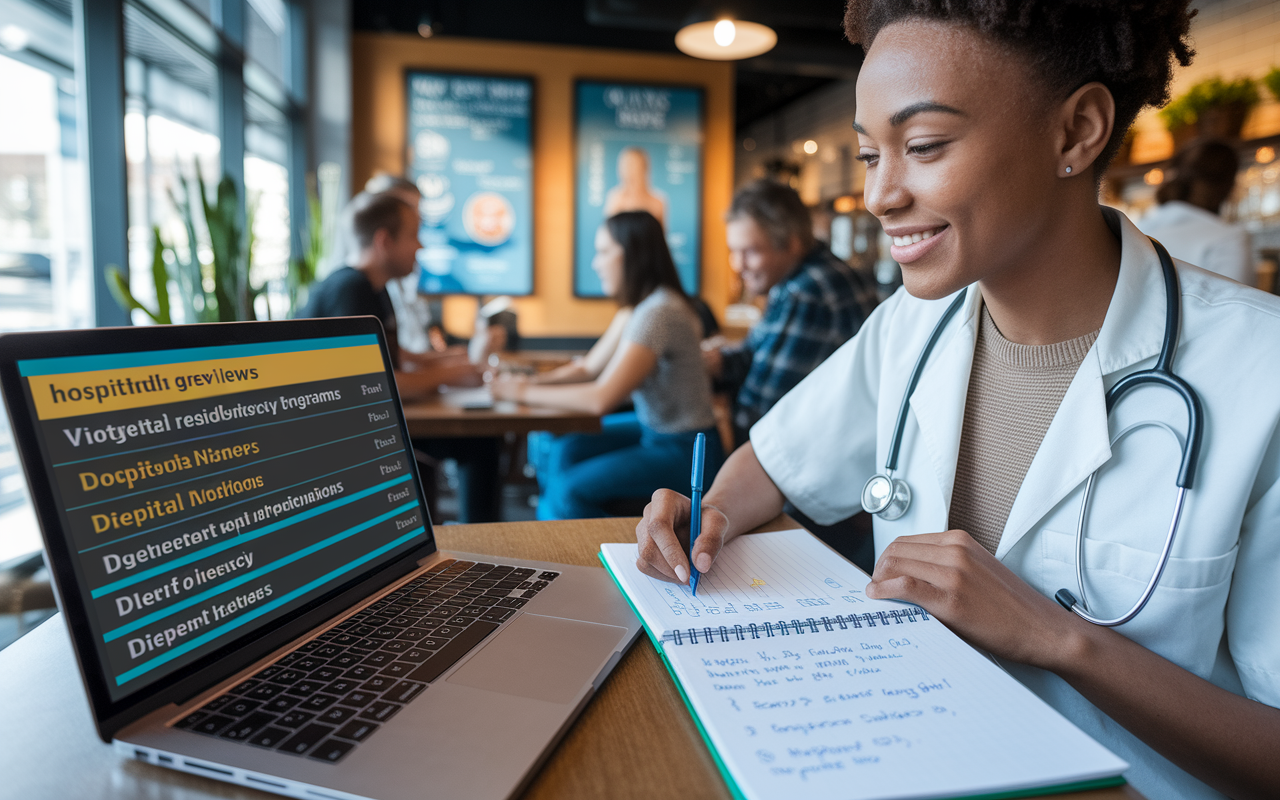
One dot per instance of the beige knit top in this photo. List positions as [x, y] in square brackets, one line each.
[1014, 393]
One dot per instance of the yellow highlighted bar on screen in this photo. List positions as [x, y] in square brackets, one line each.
[74, 394]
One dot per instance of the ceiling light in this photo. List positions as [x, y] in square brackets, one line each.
[723, 32]
[14, 38]
[725, 39]
[425, 27]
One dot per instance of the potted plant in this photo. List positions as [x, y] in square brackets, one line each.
[1272, 81]
[1213, 108]
[216, 291]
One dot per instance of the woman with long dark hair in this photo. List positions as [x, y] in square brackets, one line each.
[1042, 353]
[649, 353]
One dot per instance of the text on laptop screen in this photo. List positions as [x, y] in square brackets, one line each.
[208, 491]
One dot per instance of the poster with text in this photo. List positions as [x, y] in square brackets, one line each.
[471, 155]
[639, 148]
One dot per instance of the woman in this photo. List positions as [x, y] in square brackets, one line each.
[649, 353]
[985, 128]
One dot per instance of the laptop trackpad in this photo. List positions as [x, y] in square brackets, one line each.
[543, 658]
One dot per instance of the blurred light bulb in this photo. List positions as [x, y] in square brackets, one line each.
[1265, 155]
[14, 38]
[1154, 178]
[811, 147]
[725, 32]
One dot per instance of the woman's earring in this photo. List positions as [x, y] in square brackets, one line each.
[1068, 170]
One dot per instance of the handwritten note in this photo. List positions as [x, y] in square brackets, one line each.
[886, 712]
[764, 576]
[848, 697]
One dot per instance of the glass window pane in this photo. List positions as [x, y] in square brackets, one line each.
[266, 182]
[266, 35]
[171, 123]
[43, 278]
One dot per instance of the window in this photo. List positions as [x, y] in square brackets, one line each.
[180, 118]
[171, 123]
[43, 278]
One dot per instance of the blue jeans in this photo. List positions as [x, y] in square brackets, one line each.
[581, 473]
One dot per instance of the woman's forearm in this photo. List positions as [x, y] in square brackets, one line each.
[744, 493]
[573, 372]
[1230, 742]
[589, 397]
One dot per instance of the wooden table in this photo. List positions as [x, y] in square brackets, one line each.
[634, 740]
[439, 417]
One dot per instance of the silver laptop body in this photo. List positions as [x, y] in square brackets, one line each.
[477, 729]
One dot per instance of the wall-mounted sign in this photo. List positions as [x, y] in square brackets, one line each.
[471, 155]
[639, 148]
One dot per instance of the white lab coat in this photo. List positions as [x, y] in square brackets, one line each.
[823, 440]
[1201, 238]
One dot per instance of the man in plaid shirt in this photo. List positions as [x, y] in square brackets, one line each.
[816, 302]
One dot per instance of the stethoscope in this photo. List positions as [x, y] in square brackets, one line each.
[889, 498]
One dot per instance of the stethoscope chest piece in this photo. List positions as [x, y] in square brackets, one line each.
[886, 496]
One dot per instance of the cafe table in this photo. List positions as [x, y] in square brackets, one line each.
[635, 739]
[448, 416]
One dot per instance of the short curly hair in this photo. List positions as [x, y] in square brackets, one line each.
[1126, 45]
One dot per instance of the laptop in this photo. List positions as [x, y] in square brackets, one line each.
[238, 539]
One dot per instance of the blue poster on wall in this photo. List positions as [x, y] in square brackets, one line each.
[639, 147]
[470, 153]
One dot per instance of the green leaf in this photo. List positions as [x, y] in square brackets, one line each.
[160, 275]
[118, 282]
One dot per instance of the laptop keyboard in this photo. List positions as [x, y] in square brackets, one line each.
[335, 691]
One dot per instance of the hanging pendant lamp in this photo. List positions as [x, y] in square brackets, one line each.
[725, 39]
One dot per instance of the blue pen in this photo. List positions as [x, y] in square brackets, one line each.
[695, 516]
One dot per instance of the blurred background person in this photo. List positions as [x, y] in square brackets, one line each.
[649, 353]
[413, 310]
[816, 302]
[386, 230]
[1187, 220]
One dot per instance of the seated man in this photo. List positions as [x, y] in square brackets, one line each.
[816, 302]
[386, 229]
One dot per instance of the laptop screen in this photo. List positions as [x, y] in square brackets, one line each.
[207, 492]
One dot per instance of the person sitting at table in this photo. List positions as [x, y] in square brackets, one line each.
[815, 301]
[386, 229]
[649, 353]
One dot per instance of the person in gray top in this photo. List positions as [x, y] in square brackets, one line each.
[649, 353]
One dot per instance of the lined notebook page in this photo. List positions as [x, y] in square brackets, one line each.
[906, 711]
[756, 578]
[902, 708]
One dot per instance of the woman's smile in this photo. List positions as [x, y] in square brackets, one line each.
[911, 245]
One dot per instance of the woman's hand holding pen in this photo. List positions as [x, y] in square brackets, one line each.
[741, 489]
[952, 577]
[662, 537]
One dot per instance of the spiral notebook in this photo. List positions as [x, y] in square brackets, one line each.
[803, 686]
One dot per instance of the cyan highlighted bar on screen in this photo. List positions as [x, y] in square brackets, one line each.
[257, 573]
[182, 649]
[239, 541]
[151, 358]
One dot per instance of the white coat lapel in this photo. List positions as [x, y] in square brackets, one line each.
[1078, 440]
[939, 399]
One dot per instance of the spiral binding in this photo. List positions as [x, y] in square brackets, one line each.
[796, 627]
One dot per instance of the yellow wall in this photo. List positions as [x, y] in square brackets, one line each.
[378, 94]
